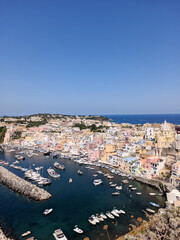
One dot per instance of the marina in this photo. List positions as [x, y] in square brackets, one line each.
[80, 203]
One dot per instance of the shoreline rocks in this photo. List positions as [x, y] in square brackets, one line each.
[3, 237]
[21, 186]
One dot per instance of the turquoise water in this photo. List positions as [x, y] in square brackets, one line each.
[73, 203]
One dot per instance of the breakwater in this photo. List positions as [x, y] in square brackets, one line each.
[21, 186]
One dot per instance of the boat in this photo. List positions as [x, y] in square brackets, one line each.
[110, 177]
[121, 211]
[77, 230]
[138, 193]
[109, 215]
[114, 212]
[152, 193]
[92, 221]
[103, 215]
[80, 172]
[115, 193]
[26, 234]
[52, 173]
[95, 175]
[70, 180]
[31, 238]
[59, 166]
[113, 185]
[97, 182]
[160, 194]
[119, 188]
[95, 219]
[134, 188]
[47, 211]
[130, 186]
[99, 217]
[59, 235]
[150, 210]
[19, 157]
[154, 204]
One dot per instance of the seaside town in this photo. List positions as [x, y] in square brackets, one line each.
[149, 152]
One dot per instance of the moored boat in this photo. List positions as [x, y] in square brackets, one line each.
[150, 210]
[59, 235]
[26, 234]
[48, 211]
[154, 204]
[77, 230]
[52, 173]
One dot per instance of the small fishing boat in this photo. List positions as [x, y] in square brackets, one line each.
[150, 210]
[95, 175]
[134, 188]
[97, 182]
[113, 185]
[119, 188]
[121, 211]
[130, 186]
[154, 204]
[70, 180]
[109, 215]
[59, 235]
[152, 194]
[77, 230]
[47, 211]
[138, 193]
[26, 234]
[115, 193]
[80, 172]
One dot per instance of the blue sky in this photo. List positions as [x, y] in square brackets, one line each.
[89, 56]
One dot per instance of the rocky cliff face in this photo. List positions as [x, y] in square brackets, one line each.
[164, 225]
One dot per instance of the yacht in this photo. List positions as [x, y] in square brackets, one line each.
[52, 173]
[59, 235]
[47, 211]
[77, 230]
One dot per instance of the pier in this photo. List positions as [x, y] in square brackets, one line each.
[22, 186]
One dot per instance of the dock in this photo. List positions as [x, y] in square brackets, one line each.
[21, 186]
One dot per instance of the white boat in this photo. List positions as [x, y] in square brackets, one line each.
[80, 172]
[113, 185]
[95, 219]
[97, 182]
[138, 193]
[59, 235]
[150, 210]
[130, 186]
[99, 217]
[114, 212]
[121, 211]
[152, 194]
[26, 234]
[70, 180]
[115, 193]
[119, 188]
[52, 173]
[77, 230]
[59, 166]
[92, 221]
[134, 188]
[109, 215]
[47, 211]
[103, 215]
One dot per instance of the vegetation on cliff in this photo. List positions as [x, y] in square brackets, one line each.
[165, 225]
[2, 133]
[93, 127]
